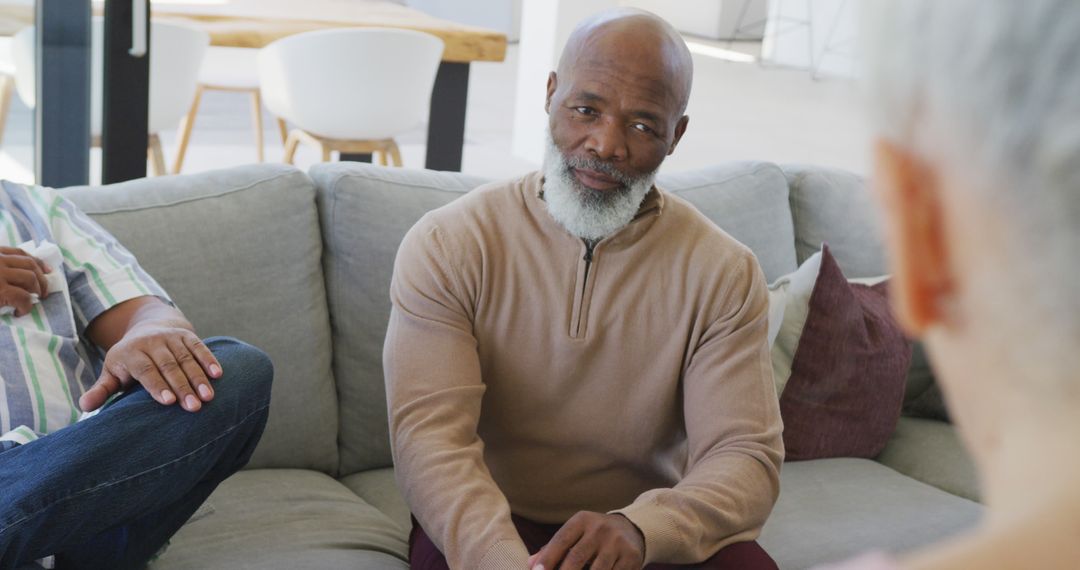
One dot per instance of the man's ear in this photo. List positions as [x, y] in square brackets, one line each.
[680, 128]
[909, 191]
[552, 84]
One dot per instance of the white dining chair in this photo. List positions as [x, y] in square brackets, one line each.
[350, 90]
[230, 69]
[176, 52]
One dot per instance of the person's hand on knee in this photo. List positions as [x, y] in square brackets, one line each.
[172, 364]
[595, 541]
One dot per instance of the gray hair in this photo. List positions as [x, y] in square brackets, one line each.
[590, 214]
[994, 85]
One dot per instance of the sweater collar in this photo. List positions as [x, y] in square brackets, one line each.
[648, 213]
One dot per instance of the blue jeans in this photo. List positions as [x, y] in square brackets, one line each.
[110, 491]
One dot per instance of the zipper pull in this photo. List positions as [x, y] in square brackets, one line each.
[589, 246]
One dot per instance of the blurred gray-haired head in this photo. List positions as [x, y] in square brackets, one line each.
[992, 88]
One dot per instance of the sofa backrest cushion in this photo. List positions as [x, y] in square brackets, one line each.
[239, 251]
[836, 206]
[365, 212]
[748, 200]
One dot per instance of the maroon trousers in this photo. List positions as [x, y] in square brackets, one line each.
[423, 555]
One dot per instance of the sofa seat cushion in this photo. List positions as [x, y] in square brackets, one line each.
[833, 509]
[931, 451]
[287, 519]
[378, 488]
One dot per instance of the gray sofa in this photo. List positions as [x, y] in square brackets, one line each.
[299, 264]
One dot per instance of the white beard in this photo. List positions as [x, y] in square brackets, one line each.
[586, 213]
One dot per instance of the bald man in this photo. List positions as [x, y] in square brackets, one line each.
[576, 364]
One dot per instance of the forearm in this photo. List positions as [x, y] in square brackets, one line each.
[734, 439]
[434, 389]
[450, 491]
[722, 500]
[434, 397]
[112, 325]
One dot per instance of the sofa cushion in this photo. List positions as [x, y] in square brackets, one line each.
[931, 451]
[287, 519]
[836, 206]
[789, 306]
[365, 213]
[748, 200]
[848, 375]
[238, 250]
[833, 509]
[928, 405]
[920, 375]
[923, 397]
[378, 487]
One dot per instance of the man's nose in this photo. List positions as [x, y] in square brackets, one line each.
[607, 140]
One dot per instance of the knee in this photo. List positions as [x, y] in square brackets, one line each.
[247, 371]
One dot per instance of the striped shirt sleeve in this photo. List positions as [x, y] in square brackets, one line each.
[101, 273]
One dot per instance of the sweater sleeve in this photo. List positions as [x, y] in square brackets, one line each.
[733, 432]
[434, 390]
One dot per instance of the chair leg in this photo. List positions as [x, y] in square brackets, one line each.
[395, 153]
[157, 155]
[185, 131]
[291, 142]
[325, 152]
[7, 88]
[382, 157]
[284, 129]
[256, 116]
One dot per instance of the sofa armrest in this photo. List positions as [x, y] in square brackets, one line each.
[931, 451]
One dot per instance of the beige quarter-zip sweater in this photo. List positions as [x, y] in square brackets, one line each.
[528, 374]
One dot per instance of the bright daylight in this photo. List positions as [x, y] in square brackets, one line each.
[539, 284]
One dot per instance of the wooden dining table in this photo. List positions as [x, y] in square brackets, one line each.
[256, 23]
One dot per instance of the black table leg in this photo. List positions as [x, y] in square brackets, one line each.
[126, 95]
[446, 123]
[355, 157]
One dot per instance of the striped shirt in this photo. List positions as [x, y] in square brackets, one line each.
[46, 361]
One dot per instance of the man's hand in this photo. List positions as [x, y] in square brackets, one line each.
[593, 540]
[21, 275]
[172, 363]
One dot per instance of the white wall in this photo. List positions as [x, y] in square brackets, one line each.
[546, 24]
[715, 19]
[545, 27]
[831, 31]
[499, 15]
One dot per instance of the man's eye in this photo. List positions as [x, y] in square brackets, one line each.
[643, 127]
[585, 110]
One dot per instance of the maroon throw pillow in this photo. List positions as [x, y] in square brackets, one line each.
[848, 374]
